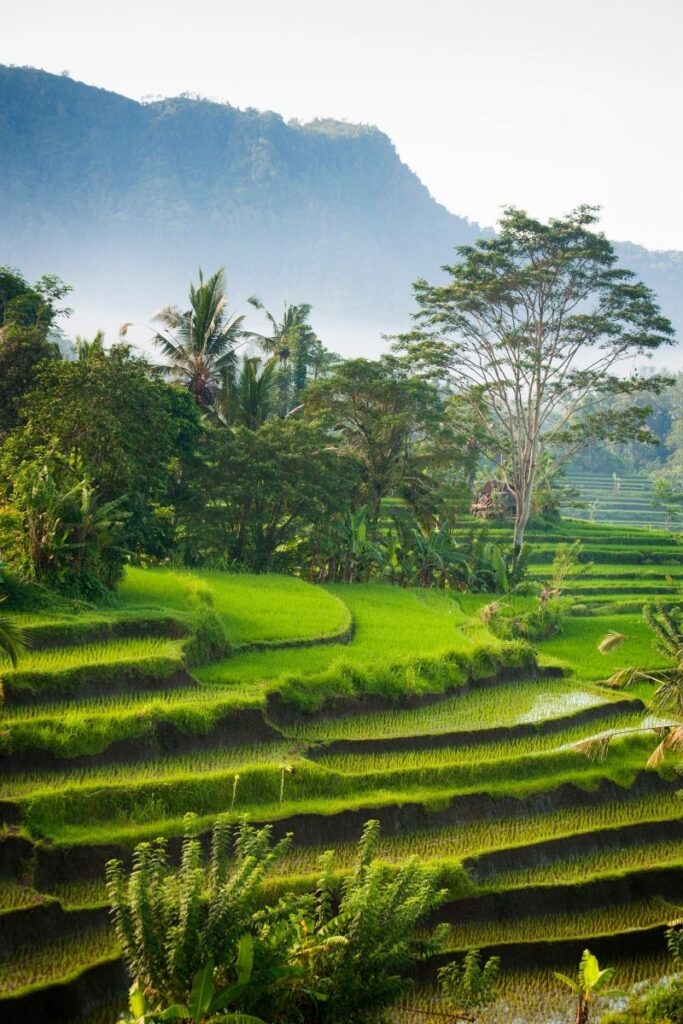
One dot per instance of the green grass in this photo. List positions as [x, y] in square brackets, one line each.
[254, 609]
[576, 648]
[390, 625]
[404, 642]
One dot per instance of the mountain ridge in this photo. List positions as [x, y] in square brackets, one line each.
[125, 199]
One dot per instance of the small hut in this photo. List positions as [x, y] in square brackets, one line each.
[494, 499]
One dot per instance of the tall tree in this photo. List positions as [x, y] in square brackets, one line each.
[294, 342]
[260, 493]
[532, 325]
[27, 318]
[25, 305]
[130, 432]
[386, 419]
[199, 343]
[246, 399]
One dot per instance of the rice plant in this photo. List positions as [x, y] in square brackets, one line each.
[88, 892]
[36, 965]
[253, 608]
[530, 995]
[60, 659]
[468, 839]
[13, 895]
[476, 752]
[596, 862]
[167, 768]
[598, 921]
[503, 705]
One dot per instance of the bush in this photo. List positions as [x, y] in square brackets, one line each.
[209, 640]
[341, 955]
[540, 623]
[662, 1004]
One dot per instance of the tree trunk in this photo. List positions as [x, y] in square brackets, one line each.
[522, 515]
[582, 1011]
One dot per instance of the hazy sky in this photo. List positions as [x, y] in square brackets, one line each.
[538, 103]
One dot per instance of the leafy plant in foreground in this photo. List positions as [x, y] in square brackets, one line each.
[591, 982]
[199, 941]
[204, 1002]
[469, 984]
[667, 699]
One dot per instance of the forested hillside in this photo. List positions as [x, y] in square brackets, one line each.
[324, 213]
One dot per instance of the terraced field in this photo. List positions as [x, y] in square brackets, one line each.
[334, 705]
[625, 500]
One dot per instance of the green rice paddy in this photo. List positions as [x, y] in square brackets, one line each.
[254, 609]
[354, 688]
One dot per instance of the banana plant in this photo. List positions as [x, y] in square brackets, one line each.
[204, 1004]
[492, 568]
[359, 549]
[591, 982]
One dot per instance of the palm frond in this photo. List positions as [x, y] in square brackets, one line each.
[595, 748]
[611, 642]
[625, 677]
[12, 639]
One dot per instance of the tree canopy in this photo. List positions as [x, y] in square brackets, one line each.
[533, 326]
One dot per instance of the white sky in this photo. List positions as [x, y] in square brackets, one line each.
[537, 103]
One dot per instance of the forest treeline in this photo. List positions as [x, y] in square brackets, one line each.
[268, 452]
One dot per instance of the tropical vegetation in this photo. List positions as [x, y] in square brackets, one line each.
[253, 589]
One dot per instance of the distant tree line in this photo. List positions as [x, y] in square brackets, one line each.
[266, 451]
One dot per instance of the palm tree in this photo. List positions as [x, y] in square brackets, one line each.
[199, 343]
[591, 982]
[292, 340]
[246, 400]
[667, 698]
[87, 351]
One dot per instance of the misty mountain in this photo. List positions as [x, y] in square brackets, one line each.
[125, 200]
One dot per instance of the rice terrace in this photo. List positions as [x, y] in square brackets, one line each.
[458, 743]
[341, 535]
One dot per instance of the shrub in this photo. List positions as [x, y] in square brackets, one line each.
[341, 955]
[209, 640]
[662, 1004]
[540, 623]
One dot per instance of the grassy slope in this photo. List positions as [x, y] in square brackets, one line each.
[254, 609]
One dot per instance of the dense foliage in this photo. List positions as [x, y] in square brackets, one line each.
[531, 327]
[340, 955]
[282, 456]
[105, 458]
